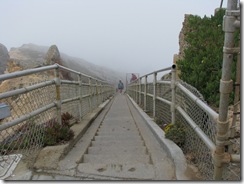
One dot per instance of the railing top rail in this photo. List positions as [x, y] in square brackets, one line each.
[79, 73]
[42, 69]
[198, 101]
[161, 70]
[157, 71]
[26, 72]
[68, 69]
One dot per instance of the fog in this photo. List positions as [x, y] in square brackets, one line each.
[137, 36]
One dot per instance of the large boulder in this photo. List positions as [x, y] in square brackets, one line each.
[53, 55]
[4, 58]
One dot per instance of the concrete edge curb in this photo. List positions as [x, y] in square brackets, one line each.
[60, 151]
[172, 149]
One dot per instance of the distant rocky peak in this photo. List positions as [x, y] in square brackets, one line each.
[53, 55]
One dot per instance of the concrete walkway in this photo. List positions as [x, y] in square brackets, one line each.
[118, 145]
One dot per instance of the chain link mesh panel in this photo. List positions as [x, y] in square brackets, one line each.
[149, 108]
[31, 100]
[163, 114]
[26, 137]
[163, 90]
[70, 91]
[196, 151]
[194, 148]
[196, 113]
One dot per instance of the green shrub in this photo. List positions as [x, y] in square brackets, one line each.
[201, 66]
[56, 133]
[176, 133]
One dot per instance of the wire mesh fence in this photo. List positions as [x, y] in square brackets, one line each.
[31, 107]
[193, 113]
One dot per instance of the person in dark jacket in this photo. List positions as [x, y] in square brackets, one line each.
[120, 86]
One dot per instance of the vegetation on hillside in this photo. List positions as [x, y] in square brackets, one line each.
[203, 56]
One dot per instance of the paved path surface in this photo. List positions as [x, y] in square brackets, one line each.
[117, 146]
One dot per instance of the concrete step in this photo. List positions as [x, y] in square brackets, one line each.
[117, 143]
[138, 171]
[114, 119]
[104, 133]
[117, 149]
[113, 158]
[118, 126]
[118, 129]
[118, 123]
[127, 137]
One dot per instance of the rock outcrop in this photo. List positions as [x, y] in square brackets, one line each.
[33, 56]
[182, 42]
[53, 56]
[27, 56]
[4, 58]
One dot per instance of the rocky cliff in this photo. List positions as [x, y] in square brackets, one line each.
[182, 42]
[32, 56]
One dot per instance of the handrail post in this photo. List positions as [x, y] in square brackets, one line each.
[226, 85]
[80, 93]
[102, 91]
[145, 94]
[154, 93]
[58, 95]
[106, 92]
[139, 92]
[99, 92]
[173, 80]
[96, 93]
[90, 95]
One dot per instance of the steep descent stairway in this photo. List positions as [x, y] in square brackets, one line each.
[117, 141]
[118, 145]
[118, 148]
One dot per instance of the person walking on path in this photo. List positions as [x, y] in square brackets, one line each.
[120, 86]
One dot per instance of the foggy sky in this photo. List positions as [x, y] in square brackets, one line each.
[138, 36]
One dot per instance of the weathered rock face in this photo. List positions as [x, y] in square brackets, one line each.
[182, 43]
[27, 56]
[4, 57]
[182, 46]
[53, 55]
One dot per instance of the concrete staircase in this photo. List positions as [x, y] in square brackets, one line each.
[118, 149]
[117, 143]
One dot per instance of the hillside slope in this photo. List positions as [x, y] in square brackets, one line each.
[32, 56]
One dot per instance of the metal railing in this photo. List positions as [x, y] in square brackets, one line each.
[171, 101]
[43, 95]
[225, 137]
